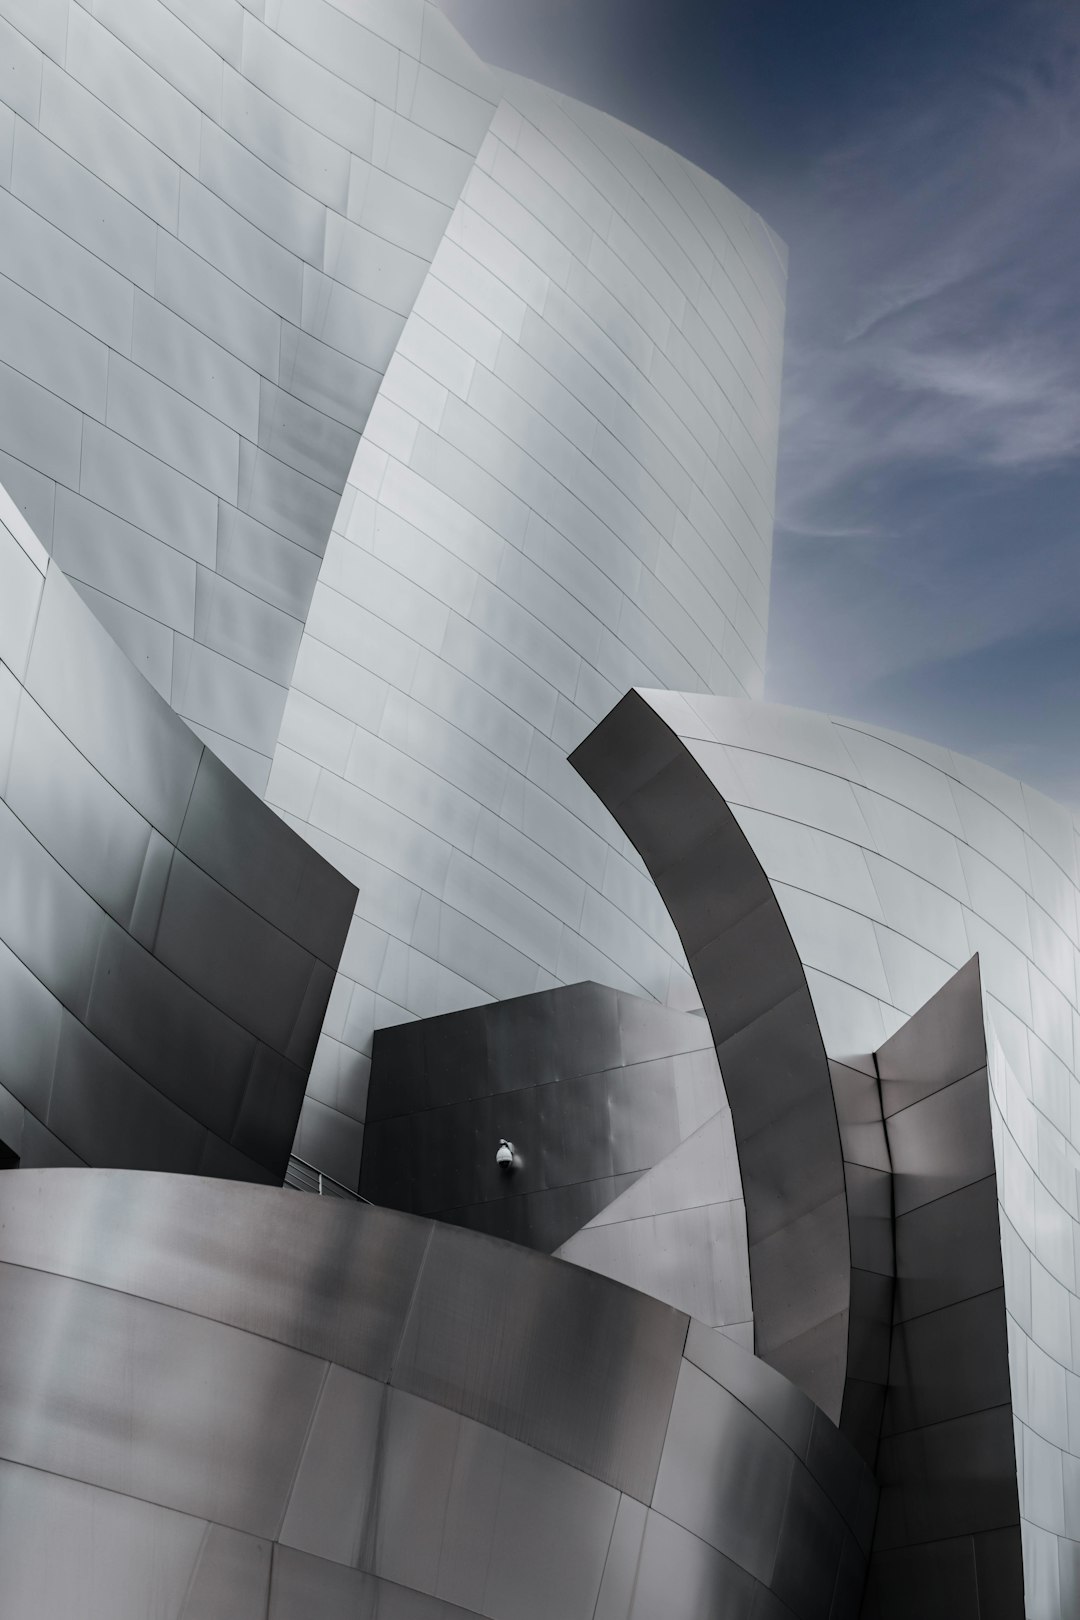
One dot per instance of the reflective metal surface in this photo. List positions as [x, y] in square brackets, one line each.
[393, 414]
[213, 222]
[894, 861]
[167, 944]
[755, 994]
[346, 1410]
[592, 1086]
[563, 486]
[871, 1194]
[947, 1463]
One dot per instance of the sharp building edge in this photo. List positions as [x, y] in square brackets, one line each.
[387, 451]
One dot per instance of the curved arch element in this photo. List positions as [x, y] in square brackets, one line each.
[344, 1409]
[754, 991]
[167, 943]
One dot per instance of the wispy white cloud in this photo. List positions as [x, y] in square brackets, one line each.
[935, 283]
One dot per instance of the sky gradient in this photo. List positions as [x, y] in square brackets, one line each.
[922, 161]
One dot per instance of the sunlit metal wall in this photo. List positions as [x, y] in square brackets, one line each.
[167, 944]
[894, 861]
[343, 1411]
[215, 223]
[214, 218]
[564, 487]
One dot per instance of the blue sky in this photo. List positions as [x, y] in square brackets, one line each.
[922, 161]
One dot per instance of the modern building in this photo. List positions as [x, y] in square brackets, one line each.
[388, 448]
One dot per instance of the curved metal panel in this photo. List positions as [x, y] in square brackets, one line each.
[235, 1465]
[212, 227]
[564, 486]
[592, 1087]
[755, 995]
[273, 281]
[893, 861]
[496, 1330]
[167, 944]
[947, 1462]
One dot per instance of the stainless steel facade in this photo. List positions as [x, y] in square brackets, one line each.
[394, 416]
[947, 1538]
[624, 1150]
[167, 944]
[336, 364]
[346, 1410]
[893, 861]
[214, 219]
[753, 987]
[565, 483]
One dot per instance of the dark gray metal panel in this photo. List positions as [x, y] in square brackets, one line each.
[137, 982]
[870, 1332]
[316, 1273]
[936, 1579]
[232, 1578]
[811, 1545]
[589, 1084]
[724, 1474]
[804, 1518]
[624, 1555]
[942, 1252]
[104, 1111]
[541, 1220]
[683, 1578]
[303, 1586]
[999, 1572]
[63, 1542]
[857, 1095]
[494, 1489]
[948, 1528]
[562, 1359]
[850, 1581]
[844, 1477]
[691, 1256]
[210, 940]
[947, 1480]
[158, 1404]
[546, 1529]
[948, 1362]
[754, 991]
[978, 1577]
[334, 1490]
[941, 1045]
[941, 1144]
[189, 1050]
[225, 832]
[776, 1401]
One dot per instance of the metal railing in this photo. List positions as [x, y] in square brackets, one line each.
[304, 1177]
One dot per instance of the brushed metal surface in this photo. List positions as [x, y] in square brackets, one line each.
[489, 1332]
[190, 196]
[564, 485]
[762, 1021]
[593, 1087]
[938, 856]
[210, 1451]
[169, 944]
